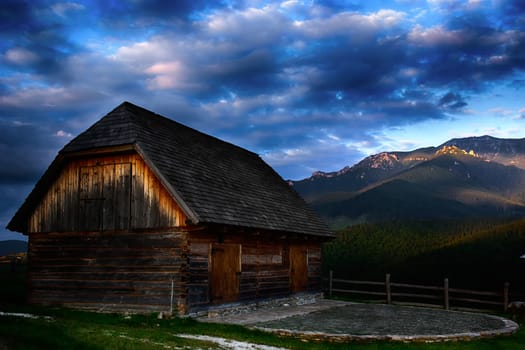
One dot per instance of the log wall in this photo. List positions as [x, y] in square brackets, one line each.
[130, 271]
[106, 194]
[134, 271]
[265, 265]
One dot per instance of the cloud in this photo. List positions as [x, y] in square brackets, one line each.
[62, 133]
[521, 114]
[435, 36]
[308, 85]
[356, 27]
[62, 8]
[167, 75]
[295, 162]
[452, 101]
[20, 56]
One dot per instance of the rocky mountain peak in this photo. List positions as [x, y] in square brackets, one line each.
[322, 174]
[383, 160]
[455, 151]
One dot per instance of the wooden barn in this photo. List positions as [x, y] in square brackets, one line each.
[141, 213]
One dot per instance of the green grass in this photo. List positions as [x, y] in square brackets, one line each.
[83, 330]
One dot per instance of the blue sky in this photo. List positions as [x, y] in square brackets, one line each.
[308, 85]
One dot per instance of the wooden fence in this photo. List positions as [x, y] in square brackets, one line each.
[421, 294]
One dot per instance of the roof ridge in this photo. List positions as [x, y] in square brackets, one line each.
[124, 133]
[160, 117]
[214, 181]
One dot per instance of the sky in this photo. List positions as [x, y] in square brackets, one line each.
[308, 85]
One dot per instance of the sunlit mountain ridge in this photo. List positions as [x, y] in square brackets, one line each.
[462, 178]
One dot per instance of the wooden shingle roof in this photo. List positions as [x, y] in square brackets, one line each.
[214, 182]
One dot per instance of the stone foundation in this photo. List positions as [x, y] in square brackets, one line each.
[239, 308]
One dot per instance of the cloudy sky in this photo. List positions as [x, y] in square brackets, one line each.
[308, 85]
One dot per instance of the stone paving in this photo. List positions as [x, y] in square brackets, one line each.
[253, 315]
[344, 321]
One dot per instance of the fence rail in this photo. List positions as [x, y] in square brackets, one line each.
[441, 295]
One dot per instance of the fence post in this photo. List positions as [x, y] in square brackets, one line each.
[445, 293]
[330, 278]
[506, 287]
[171, 296]
[388, 292]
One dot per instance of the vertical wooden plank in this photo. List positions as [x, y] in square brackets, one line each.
[123, 197]
[60, 191]
[298, 268]
[108, 211]
[91, 200]
[72, 205]
[225, 271]
[154, 202]
[117, 196]
[146, 205]
[137, 193]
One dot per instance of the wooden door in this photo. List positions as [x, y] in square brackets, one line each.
[91, 198]
[298, 268]
[104, 197]
[225, 272]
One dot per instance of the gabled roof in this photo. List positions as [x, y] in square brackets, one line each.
[214, 182]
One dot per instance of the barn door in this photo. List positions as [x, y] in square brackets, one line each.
[298, 268]
[225, 272]
[91, 198]
[104, 197]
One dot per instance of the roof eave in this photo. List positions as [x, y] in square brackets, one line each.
[190, 214]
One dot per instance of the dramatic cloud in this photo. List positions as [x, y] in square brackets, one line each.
[309, 85]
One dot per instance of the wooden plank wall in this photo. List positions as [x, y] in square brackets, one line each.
[265, 265]
[106, 193]
[109, 272]
[198, 272]
[315, 272]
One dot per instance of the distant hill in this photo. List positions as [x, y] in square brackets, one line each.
[463, 178]
[12, 247]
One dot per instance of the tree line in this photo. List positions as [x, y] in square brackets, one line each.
[471, 253]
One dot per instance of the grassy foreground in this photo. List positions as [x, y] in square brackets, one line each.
[67, 329]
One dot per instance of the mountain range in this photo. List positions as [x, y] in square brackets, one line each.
[12, 247]
[474, 177]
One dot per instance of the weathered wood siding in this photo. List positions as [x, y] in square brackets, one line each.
[106, 194]
[315, 272]
[109, 272]
[265, 265]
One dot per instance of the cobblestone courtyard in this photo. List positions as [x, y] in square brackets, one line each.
[340, 321]
[370, 319]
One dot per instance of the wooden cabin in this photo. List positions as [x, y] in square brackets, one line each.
[141, 213]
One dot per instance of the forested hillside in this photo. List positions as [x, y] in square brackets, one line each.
[472, 254]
